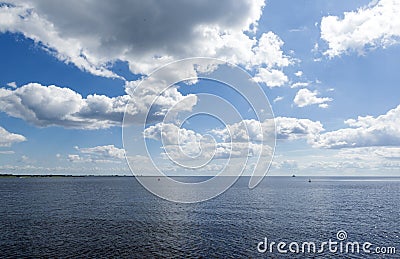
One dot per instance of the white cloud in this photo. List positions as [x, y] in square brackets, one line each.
[347, 161]
[7, 152]
[7, 138]
[278, 99]
[269, 52]
[305, 97]
[370, 153]
[288, 165]
[383, 130]
[103, 152]
[131, 32]
[24, 159]
[182, 144]
[74, 158]
[176, 140]
[387, 152]
[55, 106]
[376, 25]
[221, 150]
[12, 84]
[298, 73]
[315, 48]
[98, 154]
[323, 105]
[294, 128]
[21, 18]
[299, 84]
[246, 130]
[286, 128]
[234, 141]
[272, 78]
[371, 158]
[52, 105]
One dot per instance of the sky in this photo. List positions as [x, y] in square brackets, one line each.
[71, 69]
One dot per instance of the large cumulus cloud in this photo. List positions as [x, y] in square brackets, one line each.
[55, 106]
[145, 34]
[365, 131]
[373, 26]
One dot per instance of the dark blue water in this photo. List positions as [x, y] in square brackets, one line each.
[117, 217]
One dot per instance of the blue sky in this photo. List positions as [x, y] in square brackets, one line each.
[329, 69]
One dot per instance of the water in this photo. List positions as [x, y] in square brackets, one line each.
[116, 216]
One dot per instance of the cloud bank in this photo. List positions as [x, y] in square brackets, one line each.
[369, 27]
[146, 35]
[98, 154]
[55, 106]
[383, 130]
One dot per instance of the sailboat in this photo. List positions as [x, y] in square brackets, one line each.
[293, 174]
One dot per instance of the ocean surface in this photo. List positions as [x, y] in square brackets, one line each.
[116, 217]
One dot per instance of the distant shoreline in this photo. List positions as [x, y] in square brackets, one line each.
[282, 176]
[57, 175]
